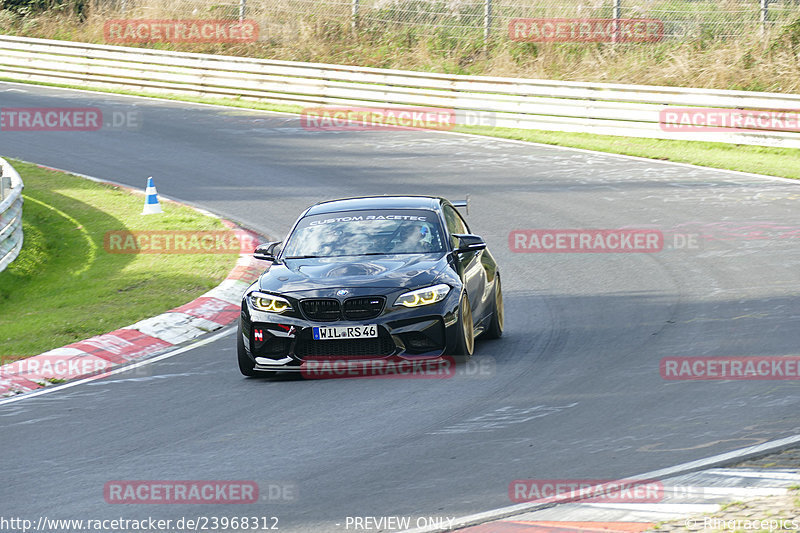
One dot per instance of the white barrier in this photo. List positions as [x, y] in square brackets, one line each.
[10, 216]
[610, 109]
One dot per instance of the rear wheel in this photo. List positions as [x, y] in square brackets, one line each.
[466, 330]
[495, 329]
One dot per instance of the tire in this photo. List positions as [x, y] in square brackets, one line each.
[495, 329]
[245, 364]
[465, 344]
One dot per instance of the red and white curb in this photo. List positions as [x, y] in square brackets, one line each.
[213, 310]
[95, 356]
[684, 497]
[703, 477]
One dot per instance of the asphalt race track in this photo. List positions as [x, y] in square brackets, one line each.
[572, 390]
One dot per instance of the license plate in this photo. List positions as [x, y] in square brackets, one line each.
[344, 332]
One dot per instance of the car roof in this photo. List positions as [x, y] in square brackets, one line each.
[376, 202]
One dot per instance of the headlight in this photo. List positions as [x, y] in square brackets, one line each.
[426, 296]
[269, 302]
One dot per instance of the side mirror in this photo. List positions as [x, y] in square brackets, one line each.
[267, 251]
[469, 243]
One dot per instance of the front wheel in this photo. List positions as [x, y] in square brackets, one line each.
[495, 329]
[465, 343]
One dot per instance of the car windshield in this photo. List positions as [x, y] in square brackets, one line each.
[366, 233]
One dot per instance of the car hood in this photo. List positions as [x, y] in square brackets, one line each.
[385, 271]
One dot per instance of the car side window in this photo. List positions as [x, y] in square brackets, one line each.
[455, 224]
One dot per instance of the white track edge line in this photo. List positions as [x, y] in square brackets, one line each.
[503, 511]
[201, 210]
[119, 370]
[683, 468]
[513, 141]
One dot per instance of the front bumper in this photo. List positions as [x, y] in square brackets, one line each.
[285, 343]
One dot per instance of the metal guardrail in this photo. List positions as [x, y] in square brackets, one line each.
[601, 108]
[10, 214]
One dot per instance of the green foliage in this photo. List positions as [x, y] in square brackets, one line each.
[65, 286]
[789, 35]
[31, 7]
[522, 52]
[430, 12]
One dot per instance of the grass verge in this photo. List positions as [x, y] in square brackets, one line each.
[717, 44]
[64, 286]
[781, 162]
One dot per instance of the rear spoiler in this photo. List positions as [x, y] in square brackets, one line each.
[463, 204]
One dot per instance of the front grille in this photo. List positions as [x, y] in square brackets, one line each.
[325, 310]
[363, 308]
[307, 347]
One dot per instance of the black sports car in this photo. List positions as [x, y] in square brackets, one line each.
[394, 277]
